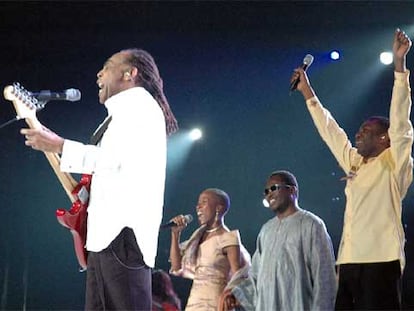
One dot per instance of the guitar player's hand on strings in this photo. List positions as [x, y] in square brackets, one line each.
[43, 139]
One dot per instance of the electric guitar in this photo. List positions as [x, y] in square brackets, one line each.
[74, 219]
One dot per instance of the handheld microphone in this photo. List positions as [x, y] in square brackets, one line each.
[188, 219]
[71, 95]
[307, 61]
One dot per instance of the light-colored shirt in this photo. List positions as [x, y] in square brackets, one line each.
[128, 168]
[372, 230]
[293, 267]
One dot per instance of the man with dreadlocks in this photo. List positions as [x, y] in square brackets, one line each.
[128, 166]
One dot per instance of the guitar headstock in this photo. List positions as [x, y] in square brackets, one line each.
[24, 103]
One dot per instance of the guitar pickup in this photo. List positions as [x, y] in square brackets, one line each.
[83, 195]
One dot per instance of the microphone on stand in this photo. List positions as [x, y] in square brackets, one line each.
[188, 219]
[71, 95]
[307, 61]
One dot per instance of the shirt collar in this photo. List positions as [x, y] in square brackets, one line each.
[114, 102]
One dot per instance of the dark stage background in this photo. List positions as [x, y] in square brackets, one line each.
[226, 68]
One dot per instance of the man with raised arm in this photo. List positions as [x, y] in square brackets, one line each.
[378, 171]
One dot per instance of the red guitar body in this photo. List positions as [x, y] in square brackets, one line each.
[75, 218]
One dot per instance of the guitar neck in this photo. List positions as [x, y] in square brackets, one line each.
[26, 106]
[67, 181]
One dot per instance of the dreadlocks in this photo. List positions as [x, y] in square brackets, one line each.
[149, 78]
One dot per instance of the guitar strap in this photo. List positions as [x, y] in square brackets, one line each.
[97, 135]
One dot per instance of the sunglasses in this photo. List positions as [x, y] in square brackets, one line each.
[276, 187]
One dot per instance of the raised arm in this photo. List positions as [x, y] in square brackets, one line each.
[400, 48]
[304, 85]
[330, 131]
[401, 130]
[175, 252]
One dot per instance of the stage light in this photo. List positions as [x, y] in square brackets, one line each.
[195, 134]
[179, 147]
[334, 55]
[386, 58]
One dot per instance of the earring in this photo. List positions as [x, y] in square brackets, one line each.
[127, 76]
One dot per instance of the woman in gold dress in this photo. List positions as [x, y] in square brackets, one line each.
[212, 255]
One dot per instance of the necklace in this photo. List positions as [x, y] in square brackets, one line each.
[214, 229]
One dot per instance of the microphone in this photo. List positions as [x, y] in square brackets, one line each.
[71, 95]
[188, 219]
[307, 61]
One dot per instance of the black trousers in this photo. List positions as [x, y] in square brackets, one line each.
[117, 277]
[369, 286]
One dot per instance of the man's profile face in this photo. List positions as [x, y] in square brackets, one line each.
[111, 78]
[368, 139]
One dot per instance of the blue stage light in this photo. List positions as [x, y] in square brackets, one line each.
[335, 55]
